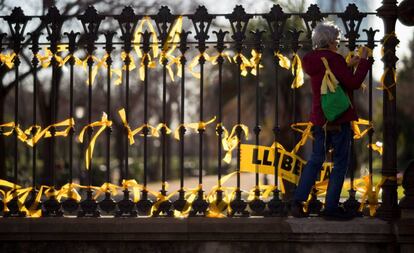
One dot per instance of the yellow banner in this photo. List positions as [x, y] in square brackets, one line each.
[261, 159]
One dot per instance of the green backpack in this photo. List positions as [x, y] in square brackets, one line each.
[334, 100]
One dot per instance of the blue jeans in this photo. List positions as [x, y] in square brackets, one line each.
[340, 140]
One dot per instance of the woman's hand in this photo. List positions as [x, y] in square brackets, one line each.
[354, 61]
[364, 53]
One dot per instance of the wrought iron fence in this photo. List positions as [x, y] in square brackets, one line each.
[146, 46]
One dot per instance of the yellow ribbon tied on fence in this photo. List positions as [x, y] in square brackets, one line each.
[45, 133]
[329, 80]
[387, 70]
[195, 61]
[138, 34]
[284, 62]
[230, 141]
[132, 183]
[106, 187]
[46, 58]
[245, 63]
[169, 46]
[103, 123]
[214, 58]
[376, 147]
[255, 61]
[8, 59]
[358, 134]
[69, 191]
[196, 126]
[297, 71]
[306, 134]
[14, 129]
[99, 63]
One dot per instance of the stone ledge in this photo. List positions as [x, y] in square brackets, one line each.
[207, 229]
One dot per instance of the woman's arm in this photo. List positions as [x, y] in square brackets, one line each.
[343, 73]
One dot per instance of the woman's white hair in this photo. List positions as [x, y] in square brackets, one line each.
[324, 34]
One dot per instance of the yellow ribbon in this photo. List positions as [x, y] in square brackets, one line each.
[329, 80]
[376, 147]
[138, 33]
[45, 133]
[306, 134]
[8, 59]
[358, 134]
[103, 123]
[194, 62]
[371, 194]
[255, 61]
[385, 87]
[14, 128]
[132, 183]
[386, 70]
[100, 63]
[244, 65]
[107, 187]
[230, 141]
[195, 126]
[151, 64]
[214, 58]
[297, 71]
[284, 62]
[45, 59]
[69, 191]
[153, 131]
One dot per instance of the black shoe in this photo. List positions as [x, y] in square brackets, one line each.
[339, 214]
[296, 209]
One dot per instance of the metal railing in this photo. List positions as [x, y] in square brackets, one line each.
[137, 41]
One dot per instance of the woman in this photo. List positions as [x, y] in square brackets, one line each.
[337, 134]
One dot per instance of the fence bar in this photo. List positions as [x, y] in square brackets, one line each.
[17, 23]
[144, 204]
[220, 60]
[35, 63]
[257, 205]
[70, 204]
[181, 203]
[127, 22]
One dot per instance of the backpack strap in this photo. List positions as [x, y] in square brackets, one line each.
[329, 80]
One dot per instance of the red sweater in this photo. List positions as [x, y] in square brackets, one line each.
[313, 66]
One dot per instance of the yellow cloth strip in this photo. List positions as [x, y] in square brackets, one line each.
[45, 133]
[230, 141]
[138, 34]
[45, 59]
[132, 183]
[329, 80]
[214, 58]
[297, 71]
[100, 63]
[385, 87]
[8, 59]
[284, 62]
[376, 147]
[169, 46]
[106, 187]
[306, 134]
[194, 62]
[358, 134]
[196, 126]
[141, 70]
[69, 191]
[103, 123]
[14, 128]
[255, 61]
[244, 65]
